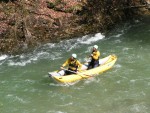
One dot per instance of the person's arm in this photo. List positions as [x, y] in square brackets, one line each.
[80, 66]
[65, 64]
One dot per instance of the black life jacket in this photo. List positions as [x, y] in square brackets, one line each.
[73, 65]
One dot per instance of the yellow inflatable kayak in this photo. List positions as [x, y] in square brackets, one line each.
[105, 64]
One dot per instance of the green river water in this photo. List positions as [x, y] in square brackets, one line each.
[26, 88]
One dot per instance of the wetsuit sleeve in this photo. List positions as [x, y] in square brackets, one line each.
[66, 63]
[79, 64]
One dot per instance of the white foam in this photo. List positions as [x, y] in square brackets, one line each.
[3, 57]
[118, 66]
[118, 41]
[16, 98]
[118, 35]
[52, 111]
[57, 84]
[91, 80]
[138, 108]
[11, 63]
[23, 60]
[67, 104]
[30, 81]
[45, 51]
[41, 55]
[49, 45]
[132, 81]
[118, 82]
[70, 44]
[88, 40]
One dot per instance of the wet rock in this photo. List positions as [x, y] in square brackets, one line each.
[27, 24]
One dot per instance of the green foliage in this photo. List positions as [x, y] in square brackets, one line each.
[58, 2]
[50, 5]
[77, 8]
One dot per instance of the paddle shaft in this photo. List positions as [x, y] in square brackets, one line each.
[77, 73]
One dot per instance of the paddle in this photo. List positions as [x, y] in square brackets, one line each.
[77, 73]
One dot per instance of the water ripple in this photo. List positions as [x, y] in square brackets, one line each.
[14, 98]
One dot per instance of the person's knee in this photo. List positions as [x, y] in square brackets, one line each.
[96, 65]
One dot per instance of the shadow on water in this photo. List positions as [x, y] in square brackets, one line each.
[132, 31]
[139, 32]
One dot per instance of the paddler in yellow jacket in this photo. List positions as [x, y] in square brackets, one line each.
[73, 65]
[94, 58]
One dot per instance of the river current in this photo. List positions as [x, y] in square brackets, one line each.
[26, 88]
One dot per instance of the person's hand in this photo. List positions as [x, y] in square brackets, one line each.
[78, 70]
[62, 67]
[91, 55]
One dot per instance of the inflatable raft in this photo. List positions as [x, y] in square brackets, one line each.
[105, 64]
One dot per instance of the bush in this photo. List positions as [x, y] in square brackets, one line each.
[58, 2]
[50, 5]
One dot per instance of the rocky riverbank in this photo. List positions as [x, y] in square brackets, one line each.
[26, 24]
